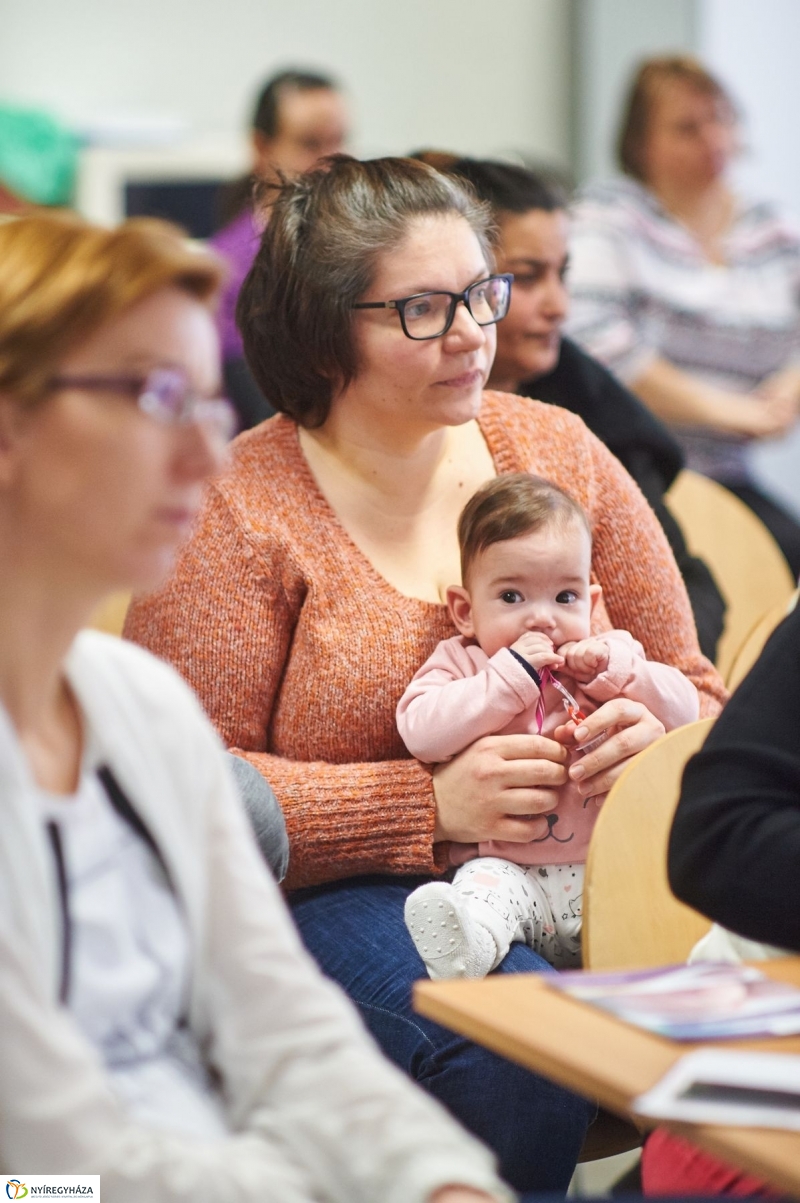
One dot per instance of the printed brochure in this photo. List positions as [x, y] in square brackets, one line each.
[707, 1001]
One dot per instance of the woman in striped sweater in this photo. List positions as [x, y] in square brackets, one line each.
[688, 292]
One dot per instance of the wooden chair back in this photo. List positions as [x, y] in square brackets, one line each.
[753, 645]
[747, 563]
[631, 918]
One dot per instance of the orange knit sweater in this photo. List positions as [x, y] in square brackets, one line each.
[300, 650]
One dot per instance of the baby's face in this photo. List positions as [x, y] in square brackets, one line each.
[538, 582]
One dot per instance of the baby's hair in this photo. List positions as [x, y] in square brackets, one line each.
[510, 506]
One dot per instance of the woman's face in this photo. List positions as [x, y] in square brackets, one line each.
[420, 385]
[690, 140]
[104, 492]
[533, 246]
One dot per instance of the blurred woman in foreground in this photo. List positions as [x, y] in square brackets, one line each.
[159, 1022]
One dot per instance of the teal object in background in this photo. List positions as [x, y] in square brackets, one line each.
[38, 157]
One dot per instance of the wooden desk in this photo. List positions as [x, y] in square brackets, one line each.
[598, 1056]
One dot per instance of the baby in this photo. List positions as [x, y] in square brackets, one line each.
[524, 613]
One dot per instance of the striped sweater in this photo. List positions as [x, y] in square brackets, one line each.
[641, 286]
[300, 650]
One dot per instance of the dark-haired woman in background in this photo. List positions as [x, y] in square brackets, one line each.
[690, 292]
[534, 360]
[300, 117]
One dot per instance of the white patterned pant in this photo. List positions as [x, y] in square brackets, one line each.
[538, 905]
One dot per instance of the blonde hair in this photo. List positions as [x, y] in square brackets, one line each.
[637, 112]
[62, 278]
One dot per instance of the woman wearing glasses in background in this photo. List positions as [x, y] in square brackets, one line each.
[160, 1023]
[313, 588]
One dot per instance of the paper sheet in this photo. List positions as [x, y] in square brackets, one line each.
[722, 1086]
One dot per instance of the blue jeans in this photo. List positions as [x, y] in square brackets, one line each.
[356, 931]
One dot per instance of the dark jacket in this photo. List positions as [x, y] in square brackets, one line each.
[734, 852]
[649, 452]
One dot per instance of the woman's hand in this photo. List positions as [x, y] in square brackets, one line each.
[758, 418]
[496, 788]
[630, 728]
[783, 385]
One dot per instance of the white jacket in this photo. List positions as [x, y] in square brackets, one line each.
[315, 1112]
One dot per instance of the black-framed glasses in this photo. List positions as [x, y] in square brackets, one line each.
[163, 394]
[431, 314]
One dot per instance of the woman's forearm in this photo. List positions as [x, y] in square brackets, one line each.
[675, 396]
[228, 632]
[679, 398]
[347, 820]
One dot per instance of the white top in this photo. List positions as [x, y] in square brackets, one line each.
[311, 1111]
[128, 968]
[642, 286]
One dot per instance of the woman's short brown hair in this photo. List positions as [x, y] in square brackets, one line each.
[510, 506]
[61, 279]
[637, 111]
[318, 254]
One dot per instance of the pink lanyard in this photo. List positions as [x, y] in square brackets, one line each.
[572, 708]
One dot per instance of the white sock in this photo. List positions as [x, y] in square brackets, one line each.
[450, 940]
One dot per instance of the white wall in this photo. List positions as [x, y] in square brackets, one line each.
[754, 45]
[610, 37]
[505, 76]
[453, 73]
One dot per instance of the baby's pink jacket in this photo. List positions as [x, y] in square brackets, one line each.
[460, 695]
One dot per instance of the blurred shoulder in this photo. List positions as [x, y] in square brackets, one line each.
[618, 193]
[241, 232]
[105, 664]
[273, 442]
[617, 200]
[146, 724]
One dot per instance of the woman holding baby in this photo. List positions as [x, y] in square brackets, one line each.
[314, 588]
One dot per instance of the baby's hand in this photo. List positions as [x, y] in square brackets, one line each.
[585, 659]
[538, 650]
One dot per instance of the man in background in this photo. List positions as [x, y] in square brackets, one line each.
[300, 117]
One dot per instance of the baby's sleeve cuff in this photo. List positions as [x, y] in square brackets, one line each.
[615, 677]
[529, 669]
